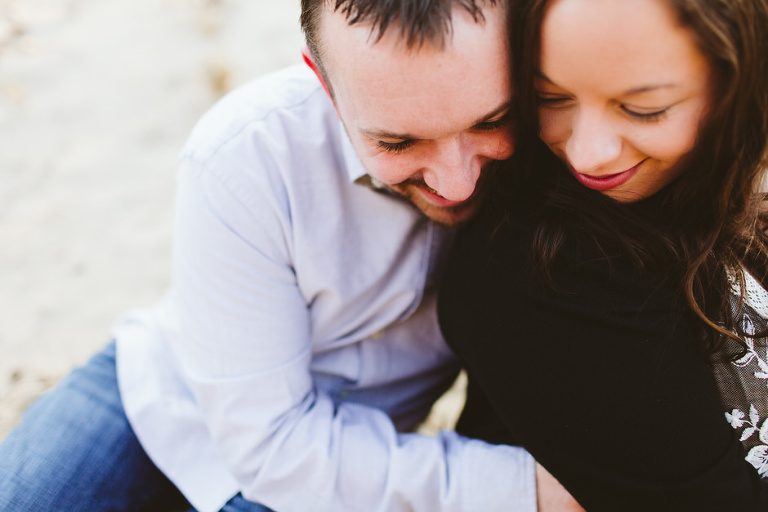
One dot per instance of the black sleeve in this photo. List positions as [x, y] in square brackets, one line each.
[479, 419]
[600, 381]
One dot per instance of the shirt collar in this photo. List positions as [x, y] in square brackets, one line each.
[355, 170]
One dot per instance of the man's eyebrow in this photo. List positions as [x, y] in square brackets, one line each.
[383, 134]
[629, 92]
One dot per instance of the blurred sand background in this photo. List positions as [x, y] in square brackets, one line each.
[96, 100]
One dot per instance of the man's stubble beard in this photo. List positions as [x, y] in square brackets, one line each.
[447, 216]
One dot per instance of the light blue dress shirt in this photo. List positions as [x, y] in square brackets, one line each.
[299, 338]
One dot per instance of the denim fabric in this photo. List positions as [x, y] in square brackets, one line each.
[75, 451]
[240, 504]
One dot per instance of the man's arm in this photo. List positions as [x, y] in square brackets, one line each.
[245, 353]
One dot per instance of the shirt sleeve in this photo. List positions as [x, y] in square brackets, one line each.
[600, 379]
[244, 350]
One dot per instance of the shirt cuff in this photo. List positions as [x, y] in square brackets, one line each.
[504, 477]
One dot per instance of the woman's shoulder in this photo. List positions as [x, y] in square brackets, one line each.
[495, 271]
[507, 239]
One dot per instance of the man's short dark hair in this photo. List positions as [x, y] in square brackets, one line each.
[419, 21]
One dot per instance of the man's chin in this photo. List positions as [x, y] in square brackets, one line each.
[451, 216]
[445, 215]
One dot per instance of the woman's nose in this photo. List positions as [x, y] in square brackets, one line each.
[593, 143]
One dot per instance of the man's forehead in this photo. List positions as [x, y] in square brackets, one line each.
[429, 92]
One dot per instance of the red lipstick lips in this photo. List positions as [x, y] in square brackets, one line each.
[606, 182]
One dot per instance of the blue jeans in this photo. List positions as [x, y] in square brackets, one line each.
[75, 451]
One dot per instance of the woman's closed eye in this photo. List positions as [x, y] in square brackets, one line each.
[552, 101]
[654, 115]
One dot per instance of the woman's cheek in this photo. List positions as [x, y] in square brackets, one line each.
[553, 126]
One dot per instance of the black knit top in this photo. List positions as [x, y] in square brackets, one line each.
[600, 380]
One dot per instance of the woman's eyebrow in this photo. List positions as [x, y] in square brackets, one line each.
[647, 88]
[629, 92]
[540, 75]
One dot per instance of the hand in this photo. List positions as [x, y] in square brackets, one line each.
[551, 495]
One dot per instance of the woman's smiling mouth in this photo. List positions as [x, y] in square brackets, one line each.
[607, 182]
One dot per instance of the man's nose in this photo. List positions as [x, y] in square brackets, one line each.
[455, 169]
[593, 142]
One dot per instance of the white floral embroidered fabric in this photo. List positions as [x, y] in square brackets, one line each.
[743, 383]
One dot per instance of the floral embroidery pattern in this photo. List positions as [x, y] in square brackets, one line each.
[757, 456]
[751, 355]
[753, 424]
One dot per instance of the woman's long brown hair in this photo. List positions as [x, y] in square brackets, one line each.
[710, 221]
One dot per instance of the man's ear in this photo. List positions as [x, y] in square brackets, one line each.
[307, 56]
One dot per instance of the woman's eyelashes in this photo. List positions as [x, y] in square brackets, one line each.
[564, 101]
[645, 116]
[553, 101]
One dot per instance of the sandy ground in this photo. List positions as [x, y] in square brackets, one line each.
[96, 99]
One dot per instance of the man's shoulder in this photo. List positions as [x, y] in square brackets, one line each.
[283, 89]
[286, 104]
